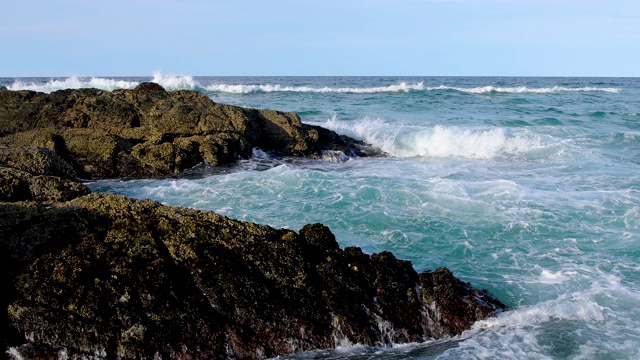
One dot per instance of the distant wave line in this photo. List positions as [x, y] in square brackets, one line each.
[173, 82]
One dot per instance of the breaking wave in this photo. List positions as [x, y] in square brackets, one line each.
[169, 82]
[524, 89]
[400, 87]
[73, 82]
[178, 82]
[244, 89]
[440, 141]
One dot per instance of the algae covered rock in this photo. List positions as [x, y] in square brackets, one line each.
[143, 132]
[32, 173]
[132, 279]
[36, 161]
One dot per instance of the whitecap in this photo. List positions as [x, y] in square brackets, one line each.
[73, 82]
[441, 141]
[251, 88]
[523, 89]
[174, 82]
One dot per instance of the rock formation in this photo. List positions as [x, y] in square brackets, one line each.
[148, 132]
[99, 275]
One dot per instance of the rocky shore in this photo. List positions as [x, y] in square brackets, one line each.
[91, 275]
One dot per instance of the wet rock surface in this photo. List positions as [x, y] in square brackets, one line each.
[104, 276]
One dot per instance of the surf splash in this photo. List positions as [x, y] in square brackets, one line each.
[523, 89]
[73, 82]
[245, 89]
[441, 141]
[187, 82]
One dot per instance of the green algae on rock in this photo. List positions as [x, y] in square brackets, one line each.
[104, 274]
[149, 132]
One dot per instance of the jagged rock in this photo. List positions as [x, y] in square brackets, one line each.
[149, 132]
[16, 185]
[131, 279]
[32, 173]
[36, 161]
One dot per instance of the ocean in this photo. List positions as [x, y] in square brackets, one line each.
[528, 187]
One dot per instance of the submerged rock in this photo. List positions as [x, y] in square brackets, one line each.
[149, 132]
[104, 274]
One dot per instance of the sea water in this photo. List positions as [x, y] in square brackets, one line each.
[528, 187]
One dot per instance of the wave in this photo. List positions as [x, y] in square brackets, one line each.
[187, 82]
[400, 87]
[175, 82]
[523, 89]
[73, 82]
[245, 89]
[169, 82]
[439, 141]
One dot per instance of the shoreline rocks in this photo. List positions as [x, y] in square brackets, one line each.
[105, 276]
[148, 132]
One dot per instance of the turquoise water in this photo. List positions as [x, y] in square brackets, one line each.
[528, 187]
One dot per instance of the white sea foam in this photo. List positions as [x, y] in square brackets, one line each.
[244, 89]
[374, 131]
[187, 82]
[447, 141]
[334, 156]
[74, 82]
[174, 82]
[632, 218]
[169, 82]
[438, 141]
[399, 87]
[513, 335]
[523, 89]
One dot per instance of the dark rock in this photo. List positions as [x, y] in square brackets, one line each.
[132, 279]
[37, 351]
[3, 88]
[36, 161]
[16, 185]
[148, 132]
[149, 86]
[32, 173]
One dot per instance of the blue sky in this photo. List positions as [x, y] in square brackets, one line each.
[328, 37]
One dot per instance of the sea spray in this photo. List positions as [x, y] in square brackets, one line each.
[441, 141]
[72, 82]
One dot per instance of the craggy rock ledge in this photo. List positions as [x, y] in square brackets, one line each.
[149, 132]
[104, 276]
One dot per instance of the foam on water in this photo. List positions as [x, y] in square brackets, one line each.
[169, 82]
[399, 87]
[523, 89]
[251, 88]
[531, 331]
[73, 82]
[441, 141]
[187, 82]
[175, 82]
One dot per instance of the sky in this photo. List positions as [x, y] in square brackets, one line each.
[327, 37]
